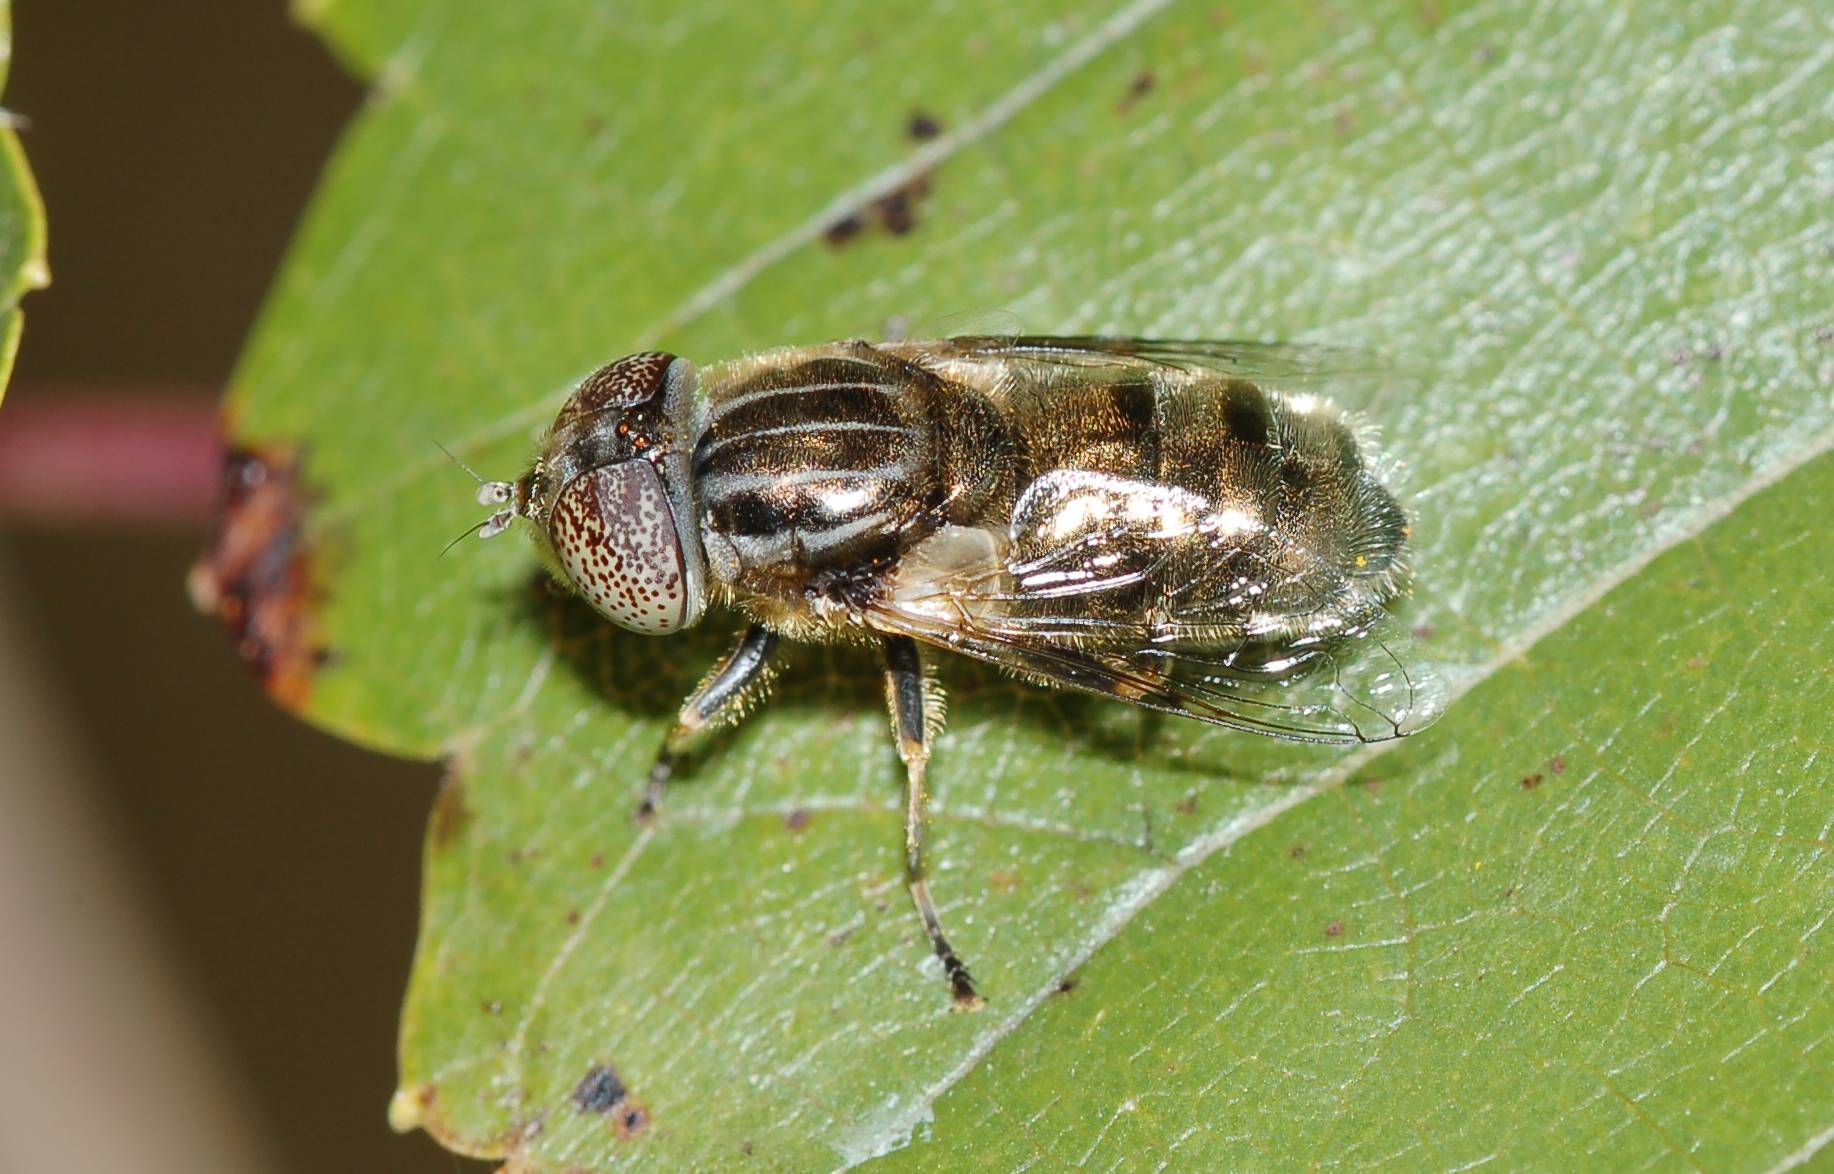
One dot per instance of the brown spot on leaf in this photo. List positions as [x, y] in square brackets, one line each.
[897, 209]
[796, 819]
[1530, 782]
[1141, 85]
[572, 917]
[1558, 765]
[450, 815]
[845, 229]
[1066, 985]
[1186, 805]
[923, 126]
[895, 212]
[602, 1091]
[257, 576]
[630, 1120]
[1335, 930]
[597, 861]
[1004, 879]
[1297, 851]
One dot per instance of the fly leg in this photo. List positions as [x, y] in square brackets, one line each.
[720, 700]
[917, 717]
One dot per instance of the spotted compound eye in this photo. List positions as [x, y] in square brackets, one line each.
[614, 534]
[632, 380]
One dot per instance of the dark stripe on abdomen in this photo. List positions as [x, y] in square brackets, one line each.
[813, 465]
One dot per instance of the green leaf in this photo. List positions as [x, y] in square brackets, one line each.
[1599, 233]
[1580, 927]
[22, 222]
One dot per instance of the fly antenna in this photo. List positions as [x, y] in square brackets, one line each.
[489, 492]
[462, 535]
[459, 463]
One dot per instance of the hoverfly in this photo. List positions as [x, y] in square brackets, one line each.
[1191, 527]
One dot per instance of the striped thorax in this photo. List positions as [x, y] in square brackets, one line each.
[817, 468]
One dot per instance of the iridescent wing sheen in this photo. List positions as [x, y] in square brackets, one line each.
[1362, 682]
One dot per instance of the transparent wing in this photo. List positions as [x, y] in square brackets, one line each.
[1284, 363]
[1066, 599]
[1363, 684]
[1072, 613]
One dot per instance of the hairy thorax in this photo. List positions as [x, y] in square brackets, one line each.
[817, 470]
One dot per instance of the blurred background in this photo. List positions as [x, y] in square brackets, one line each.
[208, 909]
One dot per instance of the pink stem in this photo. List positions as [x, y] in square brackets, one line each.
[72, 456]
